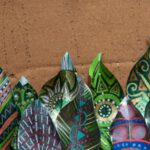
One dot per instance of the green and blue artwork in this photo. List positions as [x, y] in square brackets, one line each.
[138, 84]
[23, 95]
[107, 95]
[67, 98]
[8, 111]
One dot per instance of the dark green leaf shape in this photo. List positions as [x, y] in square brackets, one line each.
[23, 95]
[138, 84]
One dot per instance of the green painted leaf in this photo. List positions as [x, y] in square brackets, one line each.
[107, 94]
[8, 111]
[23, 95]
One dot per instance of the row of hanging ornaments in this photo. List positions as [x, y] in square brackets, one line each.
[67, 115]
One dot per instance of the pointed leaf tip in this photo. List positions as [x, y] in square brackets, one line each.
[23, 80]
[94, 63]
[67, 63]
[99, 56]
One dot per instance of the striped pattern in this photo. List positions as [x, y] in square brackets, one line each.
[8, 112]
[78, 129]
[36, 130]
[128, 129]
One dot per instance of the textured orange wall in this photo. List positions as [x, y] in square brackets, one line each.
[35, 34]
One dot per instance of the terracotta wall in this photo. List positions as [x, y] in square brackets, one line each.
[35, 34]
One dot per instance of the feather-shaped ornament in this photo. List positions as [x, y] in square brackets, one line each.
[8, 111]
[107, 94]
[36, 130]
[129, 130]
[23, 95]
[138, 84]
[75, 122]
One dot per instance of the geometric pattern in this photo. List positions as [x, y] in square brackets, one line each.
[129, 130]
[23, 95]
[79, 126]
[138, 84]
[107, 94]
[67, 98]
[36, 129]
[8, 112]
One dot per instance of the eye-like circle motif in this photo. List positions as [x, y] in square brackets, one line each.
[138, 132]
[105, 110]
[120, 133]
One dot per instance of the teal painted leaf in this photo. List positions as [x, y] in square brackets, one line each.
[138, 84]
[107, 94]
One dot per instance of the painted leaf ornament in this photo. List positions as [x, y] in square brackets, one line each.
[75, 122]
[129, 130]
[138, 84]
[58, 92]
[107, 94]
[23, 95]
[8, 111]
[36, 129]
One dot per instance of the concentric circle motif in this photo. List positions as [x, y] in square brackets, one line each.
[120, 133]
[105, 110]
[138, 132]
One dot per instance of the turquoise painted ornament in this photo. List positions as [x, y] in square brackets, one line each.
[138, 84]
[69, 101]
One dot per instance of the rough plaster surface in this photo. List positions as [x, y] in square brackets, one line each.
[35, 34]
